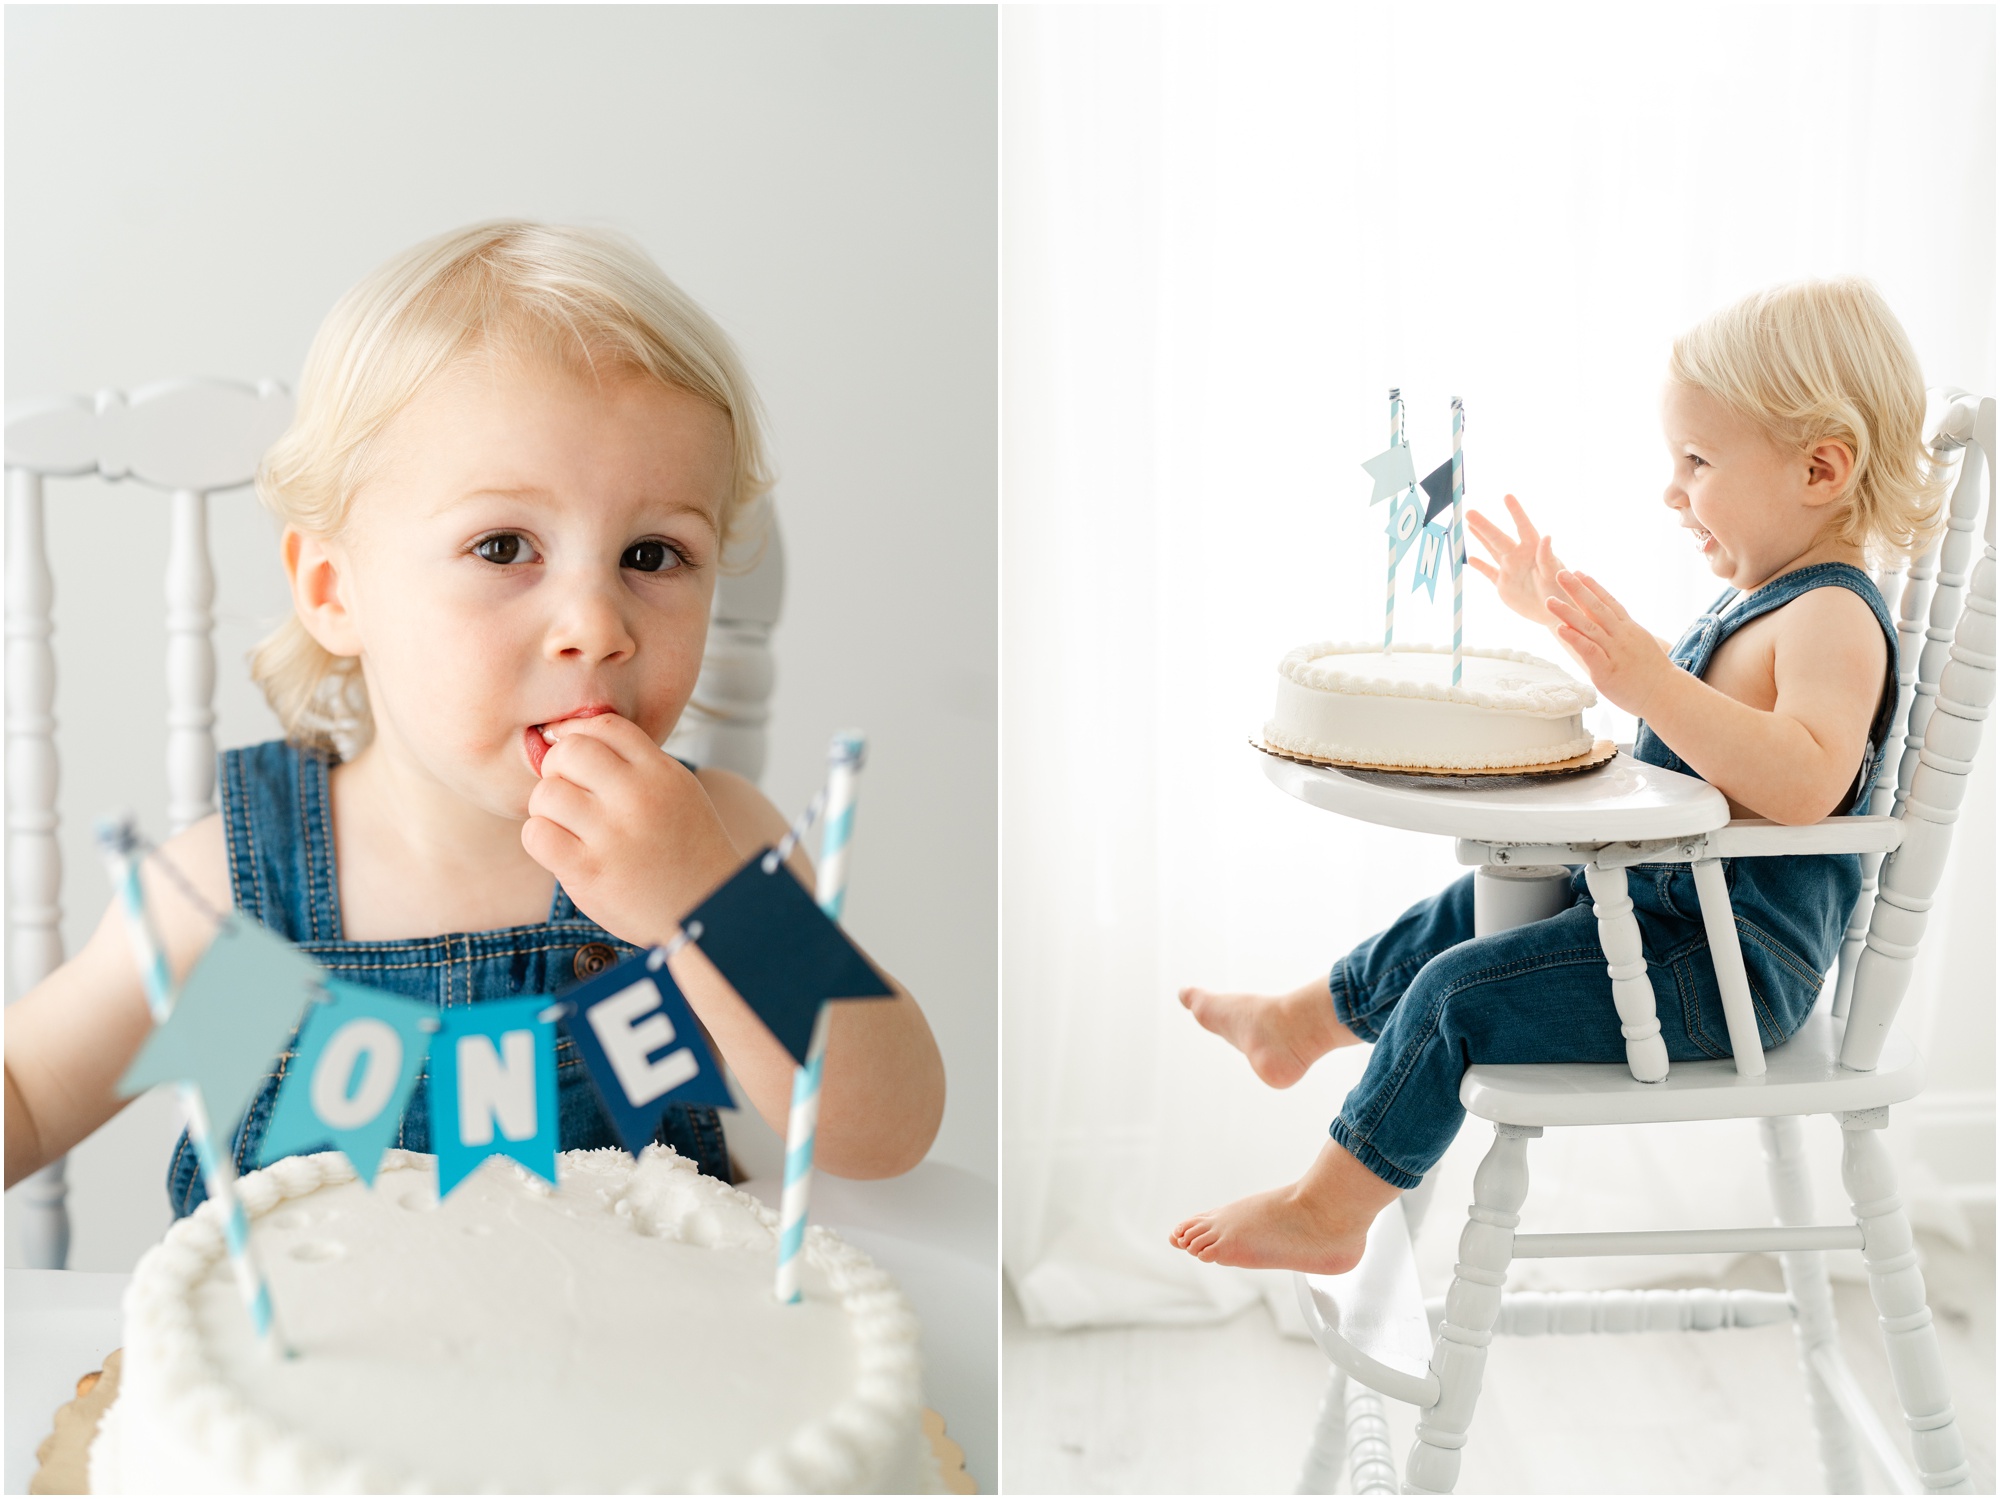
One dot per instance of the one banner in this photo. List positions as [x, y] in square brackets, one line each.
[1393, 472]
[1406, 519]
[351, 1075]
[231, 1019]
[780, 951]
[493, 1088]
[1430, 554]
[1437, 484]
[641, 1046]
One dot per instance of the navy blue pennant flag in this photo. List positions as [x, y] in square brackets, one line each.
[779, 951]
[1437, 484]
[641, 1046]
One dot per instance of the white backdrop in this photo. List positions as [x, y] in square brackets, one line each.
[188, 189]
[1225, 234]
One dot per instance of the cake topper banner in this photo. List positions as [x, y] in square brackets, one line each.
[351, 1076]
[641, 1046]
[1414, 520]
[493, 1088]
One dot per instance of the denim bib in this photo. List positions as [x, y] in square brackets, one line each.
[276, 814]
[1792, 910]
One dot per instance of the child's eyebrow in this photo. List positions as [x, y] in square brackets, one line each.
[540, 492]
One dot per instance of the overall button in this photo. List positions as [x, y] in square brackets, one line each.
[593, 958]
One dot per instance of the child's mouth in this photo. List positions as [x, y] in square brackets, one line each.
[536, 745]
[536, 740]
[1703, 539]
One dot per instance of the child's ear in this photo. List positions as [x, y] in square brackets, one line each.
[318, 575]
[1828, 469]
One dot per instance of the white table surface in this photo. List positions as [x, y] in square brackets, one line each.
[936, 1230]
[1626, 801]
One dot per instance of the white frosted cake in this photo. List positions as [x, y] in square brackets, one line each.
[1357, 705]
[617, 1335]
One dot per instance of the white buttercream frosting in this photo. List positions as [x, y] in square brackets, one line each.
[1357, 704]
[617, 1334]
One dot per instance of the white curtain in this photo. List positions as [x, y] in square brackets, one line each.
[1226, 232]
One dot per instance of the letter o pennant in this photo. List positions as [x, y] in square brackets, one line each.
[351, 1073]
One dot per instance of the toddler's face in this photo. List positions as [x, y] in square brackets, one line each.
[533, 546]
[1753, 507]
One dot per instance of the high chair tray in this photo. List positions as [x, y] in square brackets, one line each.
[1626, 800]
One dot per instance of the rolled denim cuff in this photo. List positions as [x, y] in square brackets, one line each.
[1343, 1005]
[1349, 1139]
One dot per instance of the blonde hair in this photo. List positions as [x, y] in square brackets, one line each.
[550, 292]
[1820, 361]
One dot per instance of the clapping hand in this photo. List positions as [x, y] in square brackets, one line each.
[1625, 662]
[1526, 568]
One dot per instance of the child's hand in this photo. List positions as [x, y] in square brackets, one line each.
[1624, 660]
[626, 828]
[1526, 574]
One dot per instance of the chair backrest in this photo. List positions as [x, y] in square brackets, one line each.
[1945, 688]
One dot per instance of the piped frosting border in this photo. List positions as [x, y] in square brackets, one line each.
[1556, 699]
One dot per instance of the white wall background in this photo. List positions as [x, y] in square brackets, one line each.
[1227, 232]
[188, 189]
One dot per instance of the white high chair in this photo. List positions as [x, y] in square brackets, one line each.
[191, 439]
[1848, 1060]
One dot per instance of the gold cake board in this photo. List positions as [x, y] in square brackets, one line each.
[1440, 777]
[65, 1453]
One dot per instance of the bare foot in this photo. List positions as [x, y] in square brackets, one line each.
[1319, 1224]
[1281, 1034]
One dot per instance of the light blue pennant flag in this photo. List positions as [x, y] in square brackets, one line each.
[357, 1059]
[232, 1018]
[1430, 552]
[1393, 472]
[493, 1088]
[641, 1046]
[1406, 518]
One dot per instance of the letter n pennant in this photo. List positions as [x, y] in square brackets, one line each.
[779, 951]
[641, 1046]
[493, 1088]
[357, 1060]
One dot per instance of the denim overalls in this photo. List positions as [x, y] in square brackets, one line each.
[1434, 999]
[275, 812]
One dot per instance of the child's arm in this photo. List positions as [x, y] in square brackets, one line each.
[638, 842]
[1791, 761]
[71, 1037]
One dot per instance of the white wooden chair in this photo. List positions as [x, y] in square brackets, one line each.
[191, 439]
[1848, 1061]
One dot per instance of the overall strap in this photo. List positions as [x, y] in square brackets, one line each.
[276, 813]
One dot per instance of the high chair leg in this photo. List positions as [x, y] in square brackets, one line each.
[1327, 1453]
[1485, 1250]
[1897, 1286]
[1812, 1296]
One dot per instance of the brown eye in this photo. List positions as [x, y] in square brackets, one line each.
[649, 557]
[505, 548]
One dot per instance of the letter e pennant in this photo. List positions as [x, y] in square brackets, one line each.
[779, 951]
[641, 1046]
[493, 1088]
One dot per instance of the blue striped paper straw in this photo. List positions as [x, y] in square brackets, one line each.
[1395, 440]
[119, 840]
[844, 759]
[1457, 541]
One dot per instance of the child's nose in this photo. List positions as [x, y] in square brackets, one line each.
[589, 625]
